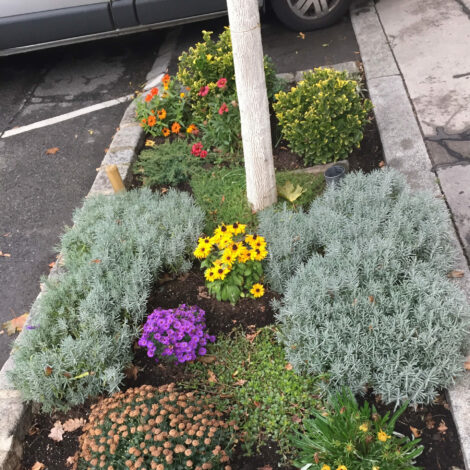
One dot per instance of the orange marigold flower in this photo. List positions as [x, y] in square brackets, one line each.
[175, 128]
[149, 97]
[161, 114]
[166, 78]
[166, 131]
[152, 120]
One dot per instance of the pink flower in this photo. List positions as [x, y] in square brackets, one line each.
[197, 149]
[223, 109]
[203, 91]
[221, 83]
[203, 154]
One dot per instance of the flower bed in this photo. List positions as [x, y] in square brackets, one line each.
[247, 357]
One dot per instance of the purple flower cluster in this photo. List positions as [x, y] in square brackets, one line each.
[177, 332]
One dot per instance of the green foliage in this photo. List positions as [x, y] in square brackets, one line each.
[221, 192]
[208, 61]
[162, 112]
[89, 316]
[357, 438]
[366, 296]
[221, 127]
[170, 163]
[250, 377]
[222, 195]
[232, 263]
[323, 116]
[154, 428]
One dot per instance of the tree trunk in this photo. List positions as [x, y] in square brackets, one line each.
[253, 101]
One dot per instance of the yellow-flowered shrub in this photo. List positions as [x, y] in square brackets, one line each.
[322, 118]
[232, 262]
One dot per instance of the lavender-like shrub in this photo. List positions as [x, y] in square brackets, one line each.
[177, 333]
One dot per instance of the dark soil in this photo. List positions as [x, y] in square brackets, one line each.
[366, 158]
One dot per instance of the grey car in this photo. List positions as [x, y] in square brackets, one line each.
[27, 25]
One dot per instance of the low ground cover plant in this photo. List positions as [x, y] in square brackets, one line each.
[350, 437]
[370, 304]
[89, 316]
[249, 375]
[232, 262]
[177, 333]
[322, 118]
[156, 429]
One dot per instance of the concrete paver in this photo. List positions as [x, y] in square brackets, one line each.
[430, 40]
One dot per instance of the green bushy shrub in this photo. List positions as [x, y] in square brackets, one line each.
[354, 438]
[323, 116]
[156, 429]
[250, 376]
[170, 164]
[372, 305]
[208, 61]
[89, 316]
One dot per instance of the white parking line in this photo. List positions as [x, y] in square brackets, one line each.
[67, 116]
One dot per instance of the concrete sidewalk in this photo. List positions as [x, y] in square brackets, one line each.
[430, 40]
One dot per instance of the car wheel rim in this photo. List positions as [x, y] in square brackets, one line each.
[312, 9]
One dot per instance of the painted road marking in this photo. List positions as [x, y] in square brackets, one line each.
[67, 116]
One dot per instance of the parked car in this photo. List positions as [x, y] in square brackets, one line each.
[26, 25]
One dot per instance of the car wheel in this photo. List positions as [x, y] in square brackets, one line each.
[306, 15]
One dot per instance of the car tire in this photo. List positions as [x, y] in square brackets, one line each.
[294, 19]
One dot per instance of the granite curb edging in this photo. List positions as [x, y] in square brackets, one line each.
[16, 415]
[405, 150]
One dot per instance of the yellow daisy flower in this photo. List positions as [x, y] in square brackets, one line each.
[257, 290]
[221, 272]
[342, 467]
[224, 242]
[326, 467]
[206, 241]
[228, 257]
[222, 231]
[238, 228]
[209, 274]
[258, 255]
[364, 427]
[243, 254]
[201, 252]
[382, 436]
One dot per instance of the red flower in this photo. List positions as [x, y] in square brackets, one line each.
[221, 83]
[203, 154]
[223, 109]
[197, 149]
[154, 91]
[149, 97]
[203, 91]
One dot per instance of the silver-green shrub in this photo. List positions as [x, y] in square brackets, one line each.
[89, 316]
[372, 306]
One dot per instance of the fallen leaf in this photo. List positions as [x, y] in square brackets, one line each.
[212, 377]
[289, 192]
[202, 293]
[251, 337]
[456, 273]
[223, 198]
[51, 264]
[52, 151]
[257, 404]
[442, 428]
[57, 432]
[296, 419]
[239, 383]
[38, 466]
[8, 234]
[288, 366]
[48, 371]
[430, 423]
[467, 364]
[371, 299]
[416, 432]
[70, 461]
[183, 277]
[207, 359]
[301, 35]
[150, 143]
[6, 255]
[15, 325]
[164, 190]
[131, 372]
[96, 261]
[72, 425]
[33, 430]
[381, 164]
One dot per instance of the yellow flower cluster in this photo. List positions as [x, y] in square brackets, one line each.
[250, 248]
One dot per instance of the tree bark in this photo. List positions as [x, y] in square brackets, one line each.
[250, 79]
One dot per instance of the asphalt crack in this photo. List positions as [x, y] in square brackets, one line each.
[442, 138]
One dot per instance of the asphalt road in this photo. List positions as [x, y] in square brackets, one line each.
[39, 191]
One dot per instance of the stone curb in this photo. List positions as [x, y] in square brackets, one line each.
[16, 415]
[404, 149]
